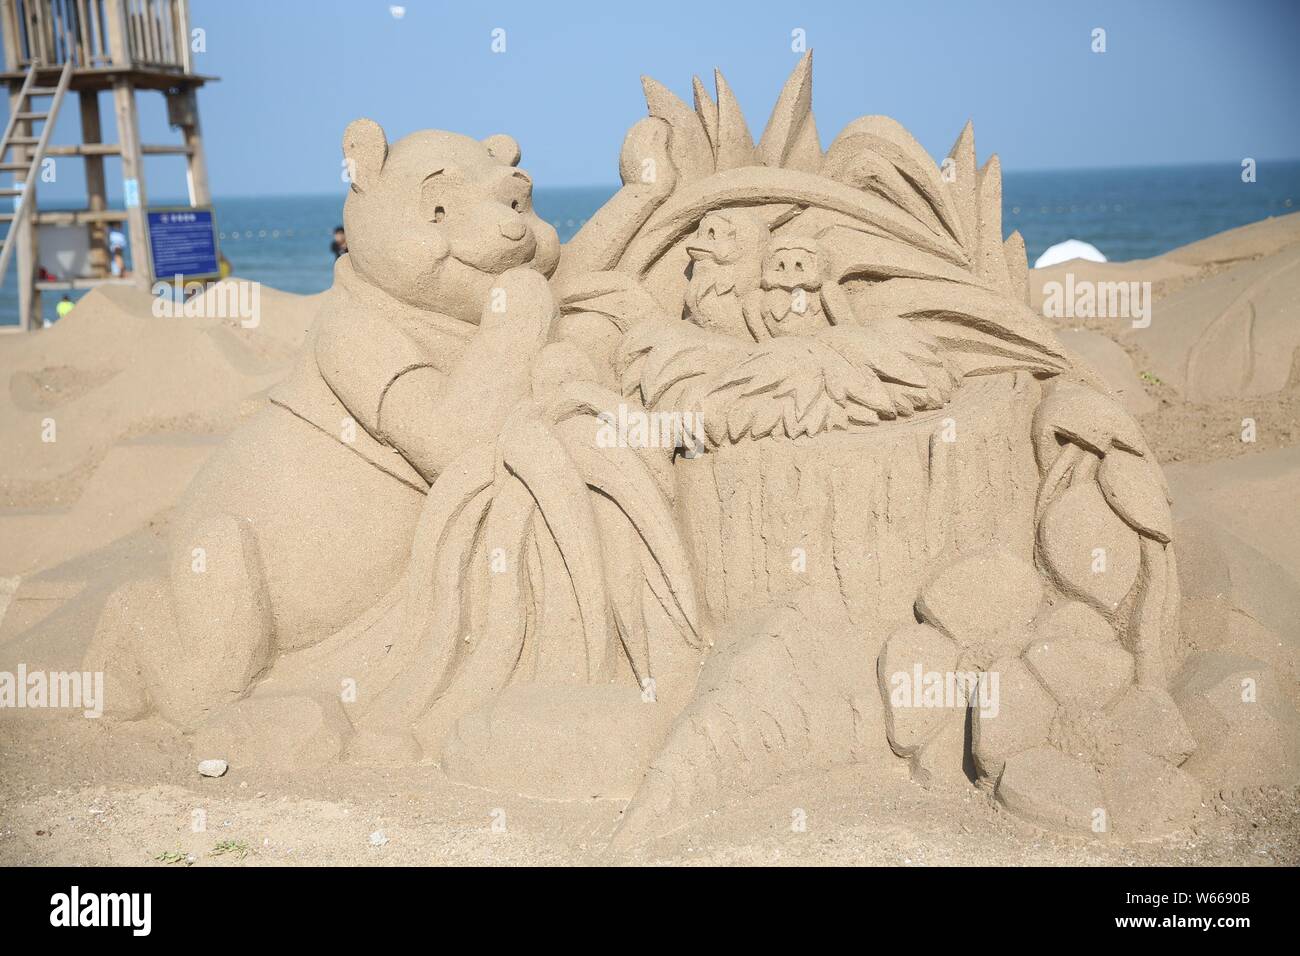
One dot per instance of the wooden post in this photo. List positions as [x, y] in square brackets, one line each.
[183, 35]
[196, 165]
[13, 48]
[128, 134]
[97, 197]
[29, 297]
[119, 44]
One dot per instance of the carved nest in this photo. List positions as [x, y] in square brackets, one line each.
[777, 289]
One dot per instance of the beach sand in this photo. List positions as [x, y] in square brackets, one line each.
[139, 402]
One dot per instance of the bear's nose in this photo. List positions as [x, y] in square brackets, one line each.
[512, 229]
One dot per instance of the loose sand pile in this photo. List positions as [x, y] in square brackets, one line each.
[139, 403]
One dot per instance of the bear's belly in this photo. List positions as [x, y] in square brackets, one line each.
[333, 531]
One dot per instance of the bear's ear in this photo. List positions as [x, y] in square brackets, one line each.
[503, 149]
[365, 147]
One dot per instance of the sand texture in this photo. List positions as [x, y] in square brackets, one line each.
[778, 517]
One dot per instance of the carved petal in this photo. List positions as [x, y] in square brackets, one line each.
[1147, 796]
[1082, 673]
[911, 653]
[960, 180]
[1086, 417]
[1132, 486]
[1074, 620]
[977, 598]
[1046, 787]
[1015, 718]
[1091, 553]
[887, 137]
[1149, 720]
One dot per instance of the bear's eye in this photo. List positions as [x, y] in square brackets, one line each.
[514, 191]
[434, 192]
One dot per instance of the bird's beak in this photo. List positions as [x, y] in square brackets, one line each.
[699, 252]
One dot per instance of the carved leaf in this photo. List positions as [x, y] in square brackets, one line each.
[839, 378]
[986, 331]
[960, 182]
[887, 137]
[853, 161]
[989, 262]
[855, 254]
[688, 145]
[735, 146]
[1132, 486]
[1013, 251]
[615, 295]
[785, 142]
[707, 111]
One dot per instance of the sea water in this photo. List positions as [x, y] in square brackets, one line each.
[1126, 213]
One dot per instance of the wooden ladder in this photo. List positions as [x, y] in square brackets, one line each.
[24, 112]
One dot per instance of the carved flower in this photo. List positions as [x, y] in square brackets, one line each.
[976, 611]
[1057, 723]
[1074, 744]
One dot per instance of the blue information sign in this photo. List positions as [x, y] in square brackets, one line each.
[184, 243]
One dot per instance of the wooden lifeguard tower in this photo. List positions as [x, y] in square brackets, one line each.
[53, 47]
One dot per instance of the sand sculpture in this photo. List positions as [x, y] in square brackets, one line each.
[778, 471]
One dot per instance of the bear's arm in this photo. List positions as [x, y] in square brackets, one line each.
[383, 378]
[431, 422]
[393, 389]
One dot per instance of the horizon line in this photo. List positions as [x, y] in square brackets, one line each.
[613, 187]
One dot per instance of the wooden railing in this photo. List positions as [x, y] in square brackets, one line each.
[149, 34]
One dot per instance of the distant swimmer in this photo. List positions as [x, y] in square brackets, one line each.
[339, 246]
[64, 307]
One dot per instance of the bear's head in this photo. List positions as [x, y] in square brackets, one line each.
[436, 218]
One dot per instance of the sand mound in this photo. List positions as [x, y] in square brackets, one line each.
[113, 370]
[1233, 335]
[1222, 321]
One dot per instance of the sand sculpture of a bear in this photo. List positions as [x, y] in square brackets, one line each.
[305, 518]
[779, 472]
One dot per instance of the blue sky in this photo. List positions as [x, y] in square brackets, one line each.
[1180, 82]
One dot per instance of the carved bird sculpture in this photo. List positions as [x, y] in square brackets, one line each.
[727, 259]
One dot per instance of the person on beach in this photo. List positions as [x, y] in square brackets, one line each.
[64, 307]
[339, 245]
[116, 258]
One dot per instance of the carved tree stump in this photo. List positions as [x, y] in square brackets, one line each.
[867, 516]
